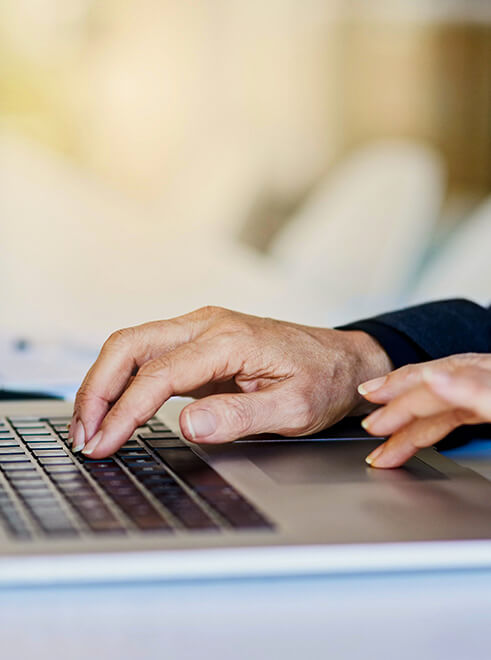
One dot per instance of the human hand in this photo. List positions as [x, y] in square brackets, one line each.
[424, 402]
[252, 375]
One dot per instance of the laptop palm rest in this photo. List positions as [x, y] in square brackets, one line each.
[317, 462]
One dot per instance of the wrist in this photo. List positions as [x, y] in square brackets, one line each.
[366, 359]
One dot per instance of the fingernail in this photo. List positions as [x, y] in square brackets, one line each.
[78, 437]
[201, 423]
[372, 385]
[92, 444]
[71, 429]
[376, 453]
[368, 422]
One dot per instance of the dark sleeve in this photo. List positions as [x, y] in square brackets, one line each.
[430, 331]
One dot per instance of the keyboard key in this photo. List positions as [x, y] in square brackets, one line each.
[158, 426]
[62, 460]
[67, 468]
[25, 468]
[25, 433]
[43, 445]
[63, 420]
[9, 442]
[29, 484]
[55, 452]
[14, 458]
[157, 435]
[128, 497]
[213, 488]
[13, 521]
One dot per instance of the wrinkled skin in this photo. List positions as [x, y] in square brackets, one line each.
[249, 375]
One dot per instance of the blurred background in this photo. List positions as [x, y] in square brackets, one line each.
[313, 160]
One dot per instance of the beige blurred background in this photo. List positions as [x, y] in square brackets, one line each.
[317, 160]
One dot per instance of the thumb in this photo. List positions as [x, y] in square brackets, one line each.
[226, 417]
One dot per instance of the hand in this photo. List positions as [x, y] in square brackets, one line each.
[252, 375]
[424, 402]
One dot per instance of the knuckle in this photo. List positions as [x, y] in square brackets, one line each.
[212, 311]
[239, 413]
[154, 368]
[119, 338]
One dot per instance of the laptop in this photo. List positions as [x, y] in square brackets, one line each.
[164, 509]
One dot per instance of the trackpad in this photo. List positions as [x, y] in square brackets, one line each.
[317, 462]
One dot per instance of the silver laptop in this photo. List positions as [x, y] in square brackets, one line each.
[162, 508]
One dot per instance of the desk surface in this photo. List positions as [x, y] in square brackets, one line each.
[404, 617]
[412, 616]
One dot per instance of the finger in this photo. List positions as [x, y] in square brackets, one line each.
[181, 371]
[121, 355]
[419, 401]
[386, 388]
[413, 437]
[468, 388]
[226, 417]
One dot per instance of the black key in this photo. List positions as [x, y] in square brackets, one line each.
[158, 426]
[144, 515]
[14, 522]
[55, 452]
[95, 513]
[191, 468]
[68, 468]
[9, 442]
[57, 527]
[157, 435]
[19, 468]
[166, 443]
[185, 510]
[131, 444]
[19, 478]
[132, 451]
[26, 433]
[213, 488]
[62, 460]
[27, 426]
[129, 498]
[14, 458]
[94, 461]
[11, 451]
[64, 476]
[92, 466]
[35, 493]
[137, 459]
[44, 445]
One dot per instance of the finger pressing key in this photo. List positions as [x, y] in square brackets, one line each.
[186, 368]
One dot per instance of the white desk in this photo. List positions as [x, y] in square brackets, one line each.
[411, 617]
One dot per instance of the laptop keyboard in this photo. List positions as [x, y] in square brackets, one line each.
[154, 483]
